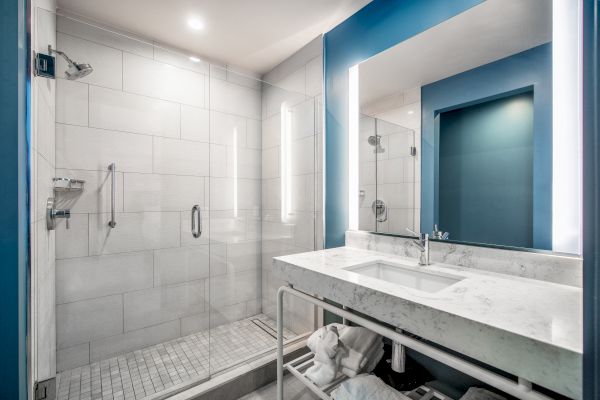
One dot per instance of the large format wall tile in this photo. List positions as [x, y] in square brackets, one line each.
[162, 81]
[72, 242]
[106, 61]
[134, 232]
[73, 357]
[83, 321]
[180, 157]
[71, 102]
[95, 149]
[102, 349]
[120, 111]
[194, 124]
[181, 264]
[230, 98]
[153, 192]
[90, 277]
[102, 36]
[227, 129]
[234, 287]
[152, 306]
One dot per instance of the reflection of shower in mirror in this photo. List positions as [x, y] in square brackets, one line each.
[375, 140]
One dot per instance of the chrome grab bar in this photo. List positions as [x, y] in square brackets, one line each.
[112, 223]
[196, 230]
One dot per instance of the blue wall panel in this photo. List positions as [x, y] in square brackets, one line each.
[376, 27]
[14, 220]
[529, 69]
[485, 172]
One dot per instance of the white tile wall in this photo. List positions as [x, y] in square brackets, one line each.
[162, 81]
[116, 110]
[91, 277]
[134, 232]
[72, 102]
[42, 343]
[301, 75]
[95, 149]
[194, 124]
[171, 156]
[152, 306]
[180, 134]
[82, 321]
[154, 192]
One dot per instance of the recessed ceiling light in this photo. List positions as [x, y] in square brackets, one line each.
[195, 24]
[410, 112]
[194, 59]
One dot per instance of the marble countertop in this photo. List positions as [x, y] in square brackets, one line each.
[527, 327]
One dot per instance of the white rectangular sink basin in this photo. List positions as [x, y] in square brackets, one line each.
[408, 277]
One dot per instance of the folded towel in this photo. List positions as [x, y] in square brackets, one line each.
[327, 358]
[360, 345]
[366, 387]
[475, 393]
[373, 360]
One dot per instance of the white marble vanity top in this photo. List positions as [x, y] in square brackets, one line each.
[523, 326]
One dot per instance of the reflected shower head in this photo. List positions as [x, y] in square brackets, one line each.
[374, 140]
[74, 70]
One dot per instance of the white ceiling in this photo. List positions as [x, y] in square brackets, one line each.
[487, 32]
[252, 34]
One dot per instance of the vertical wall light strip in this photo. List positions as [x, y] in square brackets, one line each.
[566, 125]
[235, 172]
[285, 162]
[353, 115]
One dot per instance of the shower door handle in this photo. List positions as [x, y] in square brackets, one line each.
[112, 168]
[196, 221]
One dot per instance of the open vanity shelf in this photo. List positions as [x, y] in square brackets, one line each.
[520, 388]
[300, 365]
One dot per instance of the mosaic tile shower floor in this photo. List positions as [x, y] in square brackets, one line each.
[147, 372]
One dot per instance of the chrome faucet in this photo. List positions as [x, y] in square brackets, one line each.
[438, 234]
[422, 243]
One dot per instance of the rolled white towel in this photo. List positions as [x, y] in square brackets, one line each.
[326, 360]
[366, 387]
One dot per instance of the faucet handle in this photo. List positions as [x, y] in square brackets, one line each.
[421, 236]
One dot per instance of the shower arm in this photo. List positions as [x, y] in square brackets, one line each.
[51, 50]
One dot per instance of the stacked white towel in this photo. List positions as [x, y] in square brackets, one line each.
[475, 393]
[359, 350]
[366, 387]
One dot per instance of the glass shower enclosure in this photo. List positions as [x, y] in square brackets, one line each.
[192, 177]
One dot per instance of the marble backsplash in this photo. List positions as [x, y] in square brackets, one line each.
[563, 269]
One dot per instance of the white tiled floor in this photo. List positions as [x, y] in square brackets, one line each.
[158, 368]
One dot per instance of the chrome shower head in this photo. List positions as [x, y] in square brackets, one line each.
[374, 140]
[74, 70]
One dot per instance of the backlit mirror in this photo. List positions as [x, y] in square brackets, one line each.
[470, 131]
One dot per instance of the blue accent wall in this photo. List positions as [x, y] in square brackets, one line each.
[14, 218]
[378, 26]
[523, 71]
[591, 199]
[485, 174]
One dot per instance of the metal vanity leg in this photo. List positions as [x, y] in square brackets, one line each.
[280, 343]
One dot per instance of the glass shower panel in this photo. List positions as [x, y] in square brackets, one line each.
[396, 189]
[370, 149]
[262, 178]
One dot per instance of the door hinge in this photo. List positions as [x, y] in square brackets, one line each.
[413, 151]
[45, 390]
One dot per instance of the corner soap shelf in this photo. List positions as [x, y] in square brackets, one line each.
[62, 184]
